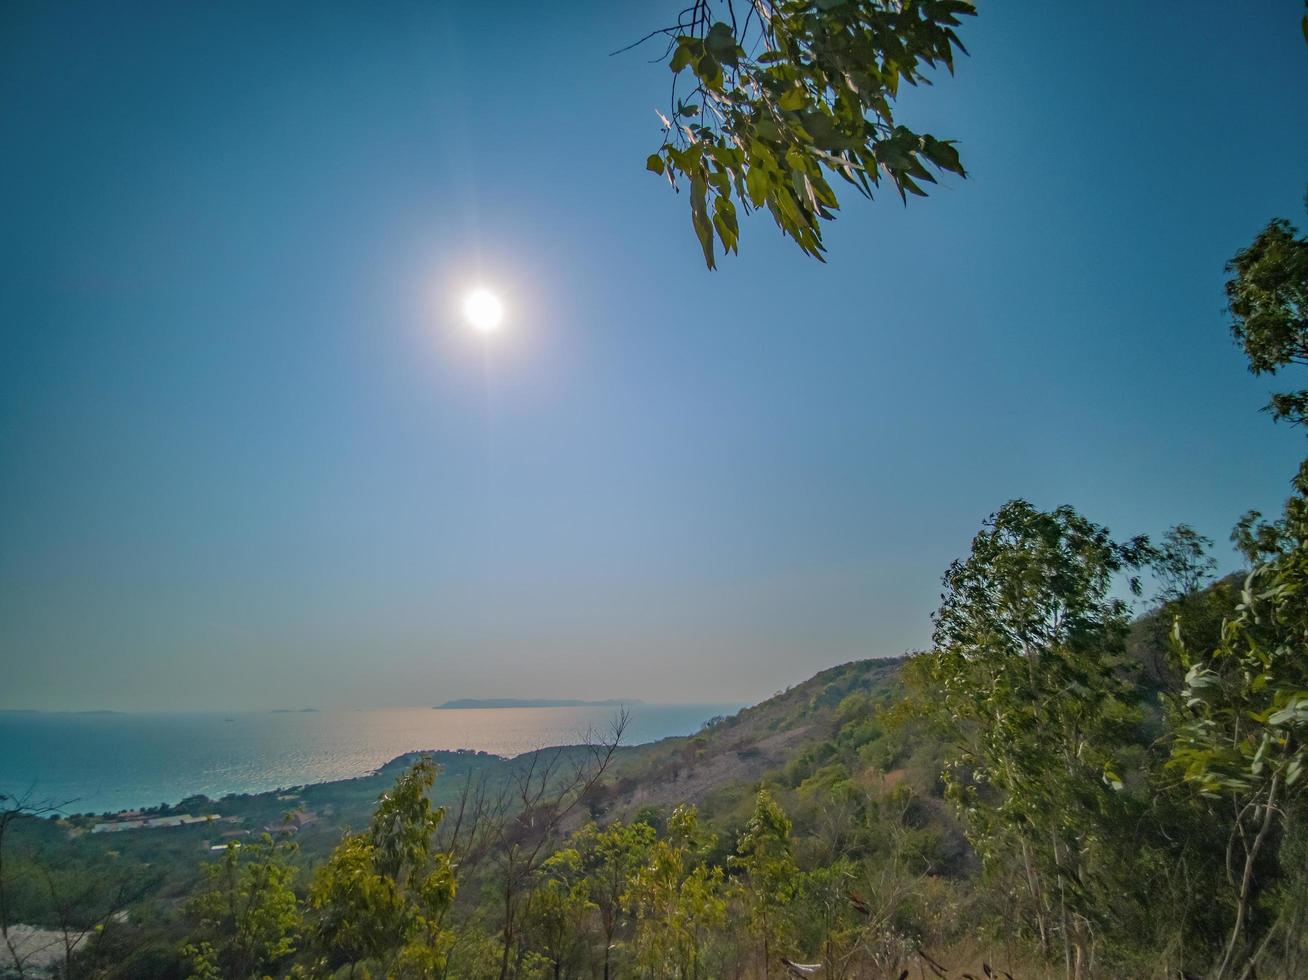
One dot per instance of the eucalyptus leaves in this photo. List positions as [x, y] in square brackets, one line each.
[789, 93]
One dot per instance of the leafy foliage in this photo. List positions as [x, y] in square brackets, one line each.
[246, 912]
[679, 902]
[1182, 562]
[383, 894]
[1241, 740]
[1027, 681]
[797, 91]
[610, 857]
[770, 875]
[558, 911]
[1268, 299]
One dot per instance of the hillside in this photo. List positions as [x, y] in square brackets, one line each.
[730, 755]
[715, 768]
[839, 772]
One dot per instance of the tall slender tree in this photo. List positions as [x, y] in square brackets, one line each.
[1029, 683]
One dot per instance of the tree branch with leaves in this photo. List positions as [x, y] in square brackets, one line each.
[771, 98]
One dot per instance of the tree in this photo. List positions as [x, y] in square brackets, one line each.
[1268, 299]
[1027, 681]
[383, 894]
[558, 908]
[88, 909]
[526, 824]
[611, 857]
[1183, 573]
[679, 903]
[513, 829]
[1242, 738]
[770, 875]
[1182, 562]
[247, 917]
[785, 93]
[827, 917]
[12, 810]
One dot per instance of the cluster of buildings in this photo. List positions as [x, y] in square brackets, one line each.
[134, 820]
[292, 823]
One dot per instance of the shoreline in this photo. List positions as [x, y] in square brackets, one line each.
[399, 761]
[125, 764]
[403, 759]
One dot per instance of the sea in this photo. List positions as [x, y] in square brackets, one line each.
[103, 762]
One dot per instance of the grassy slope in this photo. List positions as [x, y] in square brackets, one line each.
[721, 765]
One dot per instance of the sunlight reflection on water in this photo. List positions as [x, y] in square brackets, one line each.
[113, 762]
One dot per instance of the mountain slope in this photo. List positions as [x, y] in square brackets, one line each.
[731, 755]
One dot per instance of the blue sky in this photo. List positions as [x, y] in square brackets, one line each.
[250, 458]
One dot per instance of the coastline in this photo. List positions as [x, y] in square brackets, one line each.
[112, 764]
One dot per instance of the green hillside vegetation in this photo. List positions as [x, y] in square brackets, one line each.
[817, 827]
[828, 751]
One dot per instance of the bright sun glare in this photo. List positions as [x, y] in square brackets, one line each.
[484, 310]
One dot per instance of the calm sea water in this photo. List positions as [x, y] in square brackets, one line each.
[116, 762]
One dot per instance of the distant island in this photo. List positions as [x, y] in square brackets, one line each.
[536, 703]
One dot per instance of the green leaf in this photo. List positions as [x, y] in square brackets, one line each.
[724, 220]
[654, 163]
[793, 100]
[709, 70]
[1296, 711]
[942, 154]
[756, 182]
[721, 43]
[823, 86]
[684, 54]
[700, 219]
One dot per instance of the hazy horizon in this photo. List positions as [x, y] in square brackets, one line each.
[346, 706]
[253, 459]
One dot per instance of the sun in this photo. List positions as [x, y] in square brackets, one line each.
[483, 310]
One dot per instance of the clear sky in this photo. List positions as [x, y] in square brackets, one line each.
[251, 459]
